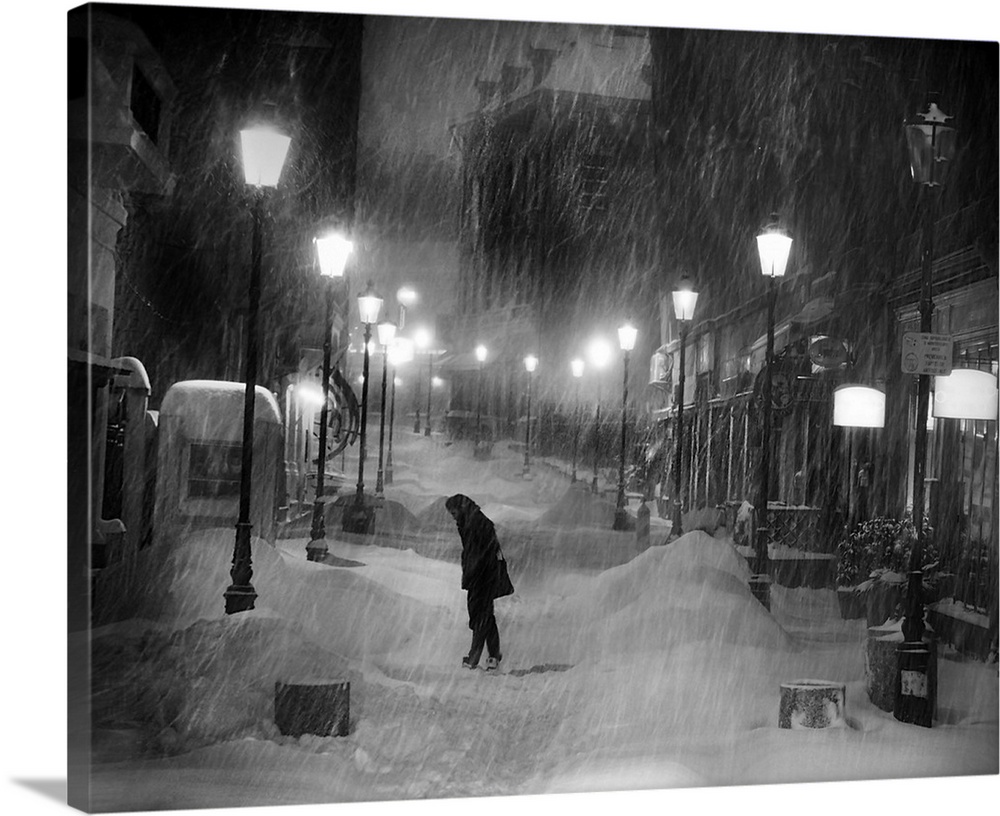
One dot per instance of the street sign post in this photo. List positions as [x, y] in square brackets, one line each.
[926, 353]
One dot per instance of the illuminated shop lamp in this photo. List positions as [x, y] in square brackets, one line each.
[966, 393]
[858, 406]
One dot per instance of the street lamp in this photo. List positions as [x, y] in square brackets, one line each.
[685, 299]
[400, 352]
[422, 339]
[332, 250]
[599, 352]
[264, 150]
[930, 137]
[357, 517]
[626, 339]
[386, 333]
[773, 246]
[530, 364]
[481, 353]
[576, 366]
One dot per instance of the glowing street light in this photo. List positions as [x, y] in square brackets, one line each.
[626, 339]
[264, 149]
[599, 352]
[332, 252]
[773, 245]
[358, 518]
[530, 364]
[386, 334]
[400, 352]
[685, 299]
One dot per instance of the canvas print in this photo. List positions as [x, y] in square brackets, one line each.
[477, 408]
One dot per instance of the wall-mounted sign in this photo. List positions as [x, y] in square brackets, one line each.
[827, 352]
[660, 365]
[926, 353]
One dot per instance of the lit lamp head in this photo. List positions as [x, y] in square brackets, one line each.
[599, 352]
[401, 351]
[264, 149]
[422, 338]
[369, 305]
[858, 406]
[481, 353]
[386, 333]
[406, 296]
[309, 393]
[332, 250]
[576, 366]
[685, 299]
[966, 393]
[626, 336]
[930, 138]
[530, 363]
[773, 244]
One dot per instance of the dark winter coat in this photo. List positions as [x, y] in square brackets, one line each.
[484, 570]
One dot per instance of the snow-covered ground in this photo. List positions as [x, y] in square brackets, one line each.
[624, 667]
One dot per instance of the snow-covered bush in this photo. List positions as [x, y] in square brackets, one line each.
[881, 545]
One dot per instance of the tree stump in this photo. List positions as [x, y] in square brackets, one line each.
[812, 704]
[312, 707]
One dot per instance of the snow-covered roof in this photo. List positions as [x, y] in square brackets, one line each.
[199, 400]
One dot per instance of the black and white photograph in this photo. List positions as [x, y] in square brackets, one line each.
[465, 408]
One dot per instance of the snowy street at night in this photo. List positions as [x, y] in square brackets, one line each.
[658, 671]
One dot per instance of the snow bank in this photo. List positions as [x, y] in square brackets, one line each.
[578, 507]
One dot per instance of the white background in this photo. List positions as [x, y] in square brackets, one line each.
[33, 413]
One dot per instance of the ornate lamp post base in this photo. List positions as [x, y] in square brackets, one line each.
[317, 549]
[359, 517]
[760, 588]
[916, 684]
[239, 598]
[621, 519]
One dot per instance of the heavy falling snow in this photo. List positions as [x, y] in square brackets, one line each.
[622, 669]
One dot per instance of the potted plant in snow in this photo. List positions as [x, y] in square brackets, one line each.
[853, 566]
[887, 543]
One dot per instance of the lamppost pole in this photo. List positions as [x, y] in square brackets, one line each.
[240, 596]
[358, 518]
[931, 141]
[392, 418]
[597, 437]
[386, 331]
[530, 362]
[626, 337]
[576, 366]
[332, 251]
[679, 444]
[317, 548]
[773, 246]
[430, 389]
[481, 353]
[264, 151]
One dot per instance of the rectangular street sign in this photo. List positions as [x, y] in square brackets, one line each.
[925, 353]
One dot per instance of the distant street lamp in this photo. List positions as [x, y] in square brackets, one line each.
[576, 366]
[400, 352]
[264, 151]
[599, 352]
[481, 353]
[332, 251]
[626, 339]
[530, 364]
[685, 299]
[422, 338]
[358, 518]
[930, 137]
[386, 333]
[773, 246]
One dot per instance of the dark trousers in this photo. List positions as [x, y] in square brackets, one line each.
[483, 624]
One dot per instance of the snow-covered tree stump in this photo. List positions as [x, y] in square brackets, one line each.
[312, 707]
[812, 704]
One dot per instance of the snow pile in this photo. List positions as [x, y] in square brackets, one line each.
[690, 591]
[578, 507]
